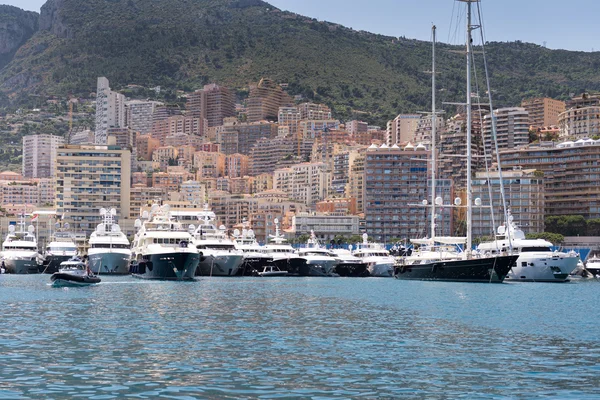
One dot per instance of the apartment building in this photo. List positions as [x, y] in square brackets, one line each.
[512, 129]
[89, 178]
[213, 103]
[543, 111]
[209, 164]
[395, 186]
[39, 155]
[306, 183]
[326, 226]
[312, 111]
[239, 137]
[139, 115]
[264, 101]
[524, 193]
[110, 110]
[571, 173]
[177, 125]
[402, 129]
[236, 165]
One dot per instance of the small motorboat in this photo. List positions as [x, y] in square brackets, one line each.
[74, 272]
[271, 270]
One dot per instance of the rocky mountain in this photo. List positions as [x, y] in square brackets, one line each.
[184, 44]
[16, 27]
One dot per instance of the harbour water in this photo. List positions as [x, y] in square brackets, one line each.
[298, 337]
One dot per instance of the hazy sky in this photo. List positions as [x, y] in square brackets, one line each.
[535, 21]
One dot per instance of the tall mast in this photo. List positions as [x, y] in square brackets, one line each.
[469, 193]
[433, 132]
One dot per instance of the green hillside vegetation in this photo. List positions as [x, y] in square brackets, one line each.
[184, 44]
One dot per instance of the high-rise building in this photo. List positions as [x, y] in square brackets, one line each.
[39, 155]
[209, 164]
[396, 179]
[220, 104]
[139, 115]
[524, 194]
[236, 165]
[177, 125]
[238, 137]
[213, 102]
[265, 99]
[512, 129]
[267, 153]
[89, 178]
[110, 110]
[402, 129]
[145, 145]
[356, 182]
[543, 111]
[582, 116]
[312, 111]
[570, 175]
[289, 117]
[306, 183]
[357, 128]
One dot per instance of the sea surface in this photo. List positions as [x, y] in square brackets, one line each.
[298, 338]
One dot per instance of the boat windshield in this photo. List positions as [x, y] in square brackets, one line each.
[109, 246]
[216, 246]
[56, 248]
[22, 247]
[531, 249]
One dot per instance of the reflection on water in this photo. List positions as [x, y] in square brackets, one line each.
[267, 338]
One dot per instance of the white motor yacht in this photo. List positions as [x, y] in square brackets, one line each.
[315, 260]
[109, 249]
[379, 261]
[218, 254]
[349, 265]
[162, 247]
[282, 253]
[537, 262]
[20, 252]
[255, 257]
[592, 265]
[61, 248]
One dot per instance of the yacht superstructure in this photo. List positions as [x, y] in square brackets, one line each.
[109, 249]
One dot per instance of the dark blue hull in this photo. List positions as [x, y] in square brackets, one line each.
[168, 266]
[52, 263]
[489, 270]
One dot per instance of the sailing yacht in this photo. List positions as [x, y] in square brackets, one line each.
[109, 250]
[450, 266]
[536, 262]
[162, 248]
[19, 251]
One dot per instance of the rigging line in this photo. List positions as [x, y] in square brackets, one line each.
[493, 130]
[484, 143]
[451, 19]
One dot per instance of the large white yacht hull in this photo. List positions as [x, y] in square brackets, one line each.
[542, 268]
[226, 264]
[21, 266]
[381, 270]
[109, 263]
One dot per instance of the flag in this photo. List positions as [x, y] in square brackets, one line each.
[34, 217]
